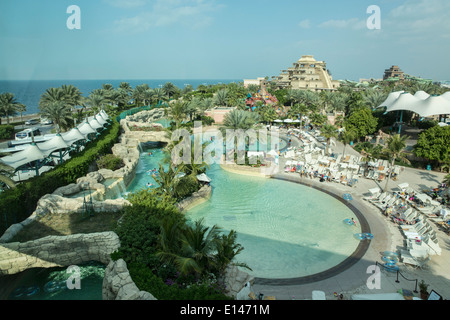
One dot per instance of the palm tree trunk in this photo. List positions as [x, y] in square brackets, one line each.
[389, 174]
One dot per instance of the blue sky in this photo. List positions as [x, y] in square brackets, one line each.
[220, 39]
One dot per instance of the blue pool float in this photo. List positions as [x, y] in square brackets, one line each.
[359, 236]
[392, 260]
[347, 196]
[368, 236]
[392, 267]
[348, 221]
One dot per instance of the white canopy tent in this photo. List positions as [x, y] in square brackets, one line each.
[55, 144]
[86, 129]
[94, 123]
[101, 120]
[421, 103]
[73, 136]
[30, 155]
[432, 106]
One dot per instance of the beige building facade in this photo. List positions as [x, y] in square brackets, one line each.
[307, 74]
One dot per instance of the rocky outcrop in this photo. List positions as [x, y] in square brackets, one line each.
[147, 116]
[235, 280]
[57, 251]
[118, 285]
[195, 199]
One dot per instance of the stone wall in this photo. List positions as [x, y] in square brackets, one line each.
[195, 199]
[118, 285]
[57, 251]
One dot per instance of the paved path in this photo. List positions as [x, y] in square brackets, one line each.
[386, 237]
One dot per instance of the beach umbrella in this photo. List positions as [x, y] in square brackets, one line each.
[203, 177]
[288, 120]
[278, 120]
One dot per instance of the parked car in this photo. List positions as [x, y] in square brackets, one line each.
[31, 122]
[46, 121]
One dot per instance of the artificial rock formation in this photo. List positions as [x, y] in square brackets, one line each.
[57, 251]
[118, 285]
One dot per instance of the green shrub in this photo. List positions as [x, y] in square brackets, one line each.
[145, 280]
[6, 132]
[110, 161]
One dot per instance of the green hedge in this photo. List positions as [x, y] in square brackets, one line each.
[17, 204]
[6, 132]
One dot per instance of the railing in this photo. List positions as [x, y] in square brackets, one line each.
[399, 273]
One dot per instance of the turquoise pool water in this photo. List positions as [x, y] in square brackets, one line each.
[149, 160]
[288, 230]
[50, 284]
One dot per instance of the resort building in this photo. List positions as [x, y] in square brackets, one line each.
[393, 72]
[307, 74]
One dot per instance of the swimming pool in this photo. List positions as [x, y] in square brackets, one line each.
[51, 284]
[287, 230]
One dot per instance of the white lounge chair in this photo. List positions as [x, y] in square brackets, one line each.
[407, 258]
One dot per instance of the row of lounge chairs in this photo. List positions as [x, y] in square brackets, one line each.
[420, 237]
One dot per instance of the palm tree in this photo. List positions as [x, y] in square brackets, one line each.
[373, 98]
[95, 101]
[395, 150]
[239, 119]
[346, 137]
[72, 95]
[158, 95]
[176, 111]
[198, 245]
[221, 98]
[139, 94]
[325, 100]
[59, 112]
[227, 250]
[337, 103]
[205, 104]
[192, 107]
[9, 105]
[170, 89]
[51, 95]
[126, 87]
[328, 131]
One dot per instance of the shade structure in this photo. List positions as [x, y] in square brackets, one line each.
[296, 121]
[392, 97]
[446, 95]
[432, 106]
[405, 101]
[73, 136]
[103, 114]
[288, 120]
[100, 119]
[278, 121]
[421, 103]
[50, 146]
[422, 95]
[203, 177]
[94, 123]
[30, 154]
[85, 128]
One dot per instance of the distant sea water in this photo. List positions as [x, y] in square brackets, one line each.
[28, 92]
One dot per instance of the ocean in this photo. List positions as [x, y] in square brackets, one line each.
[28, 92]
